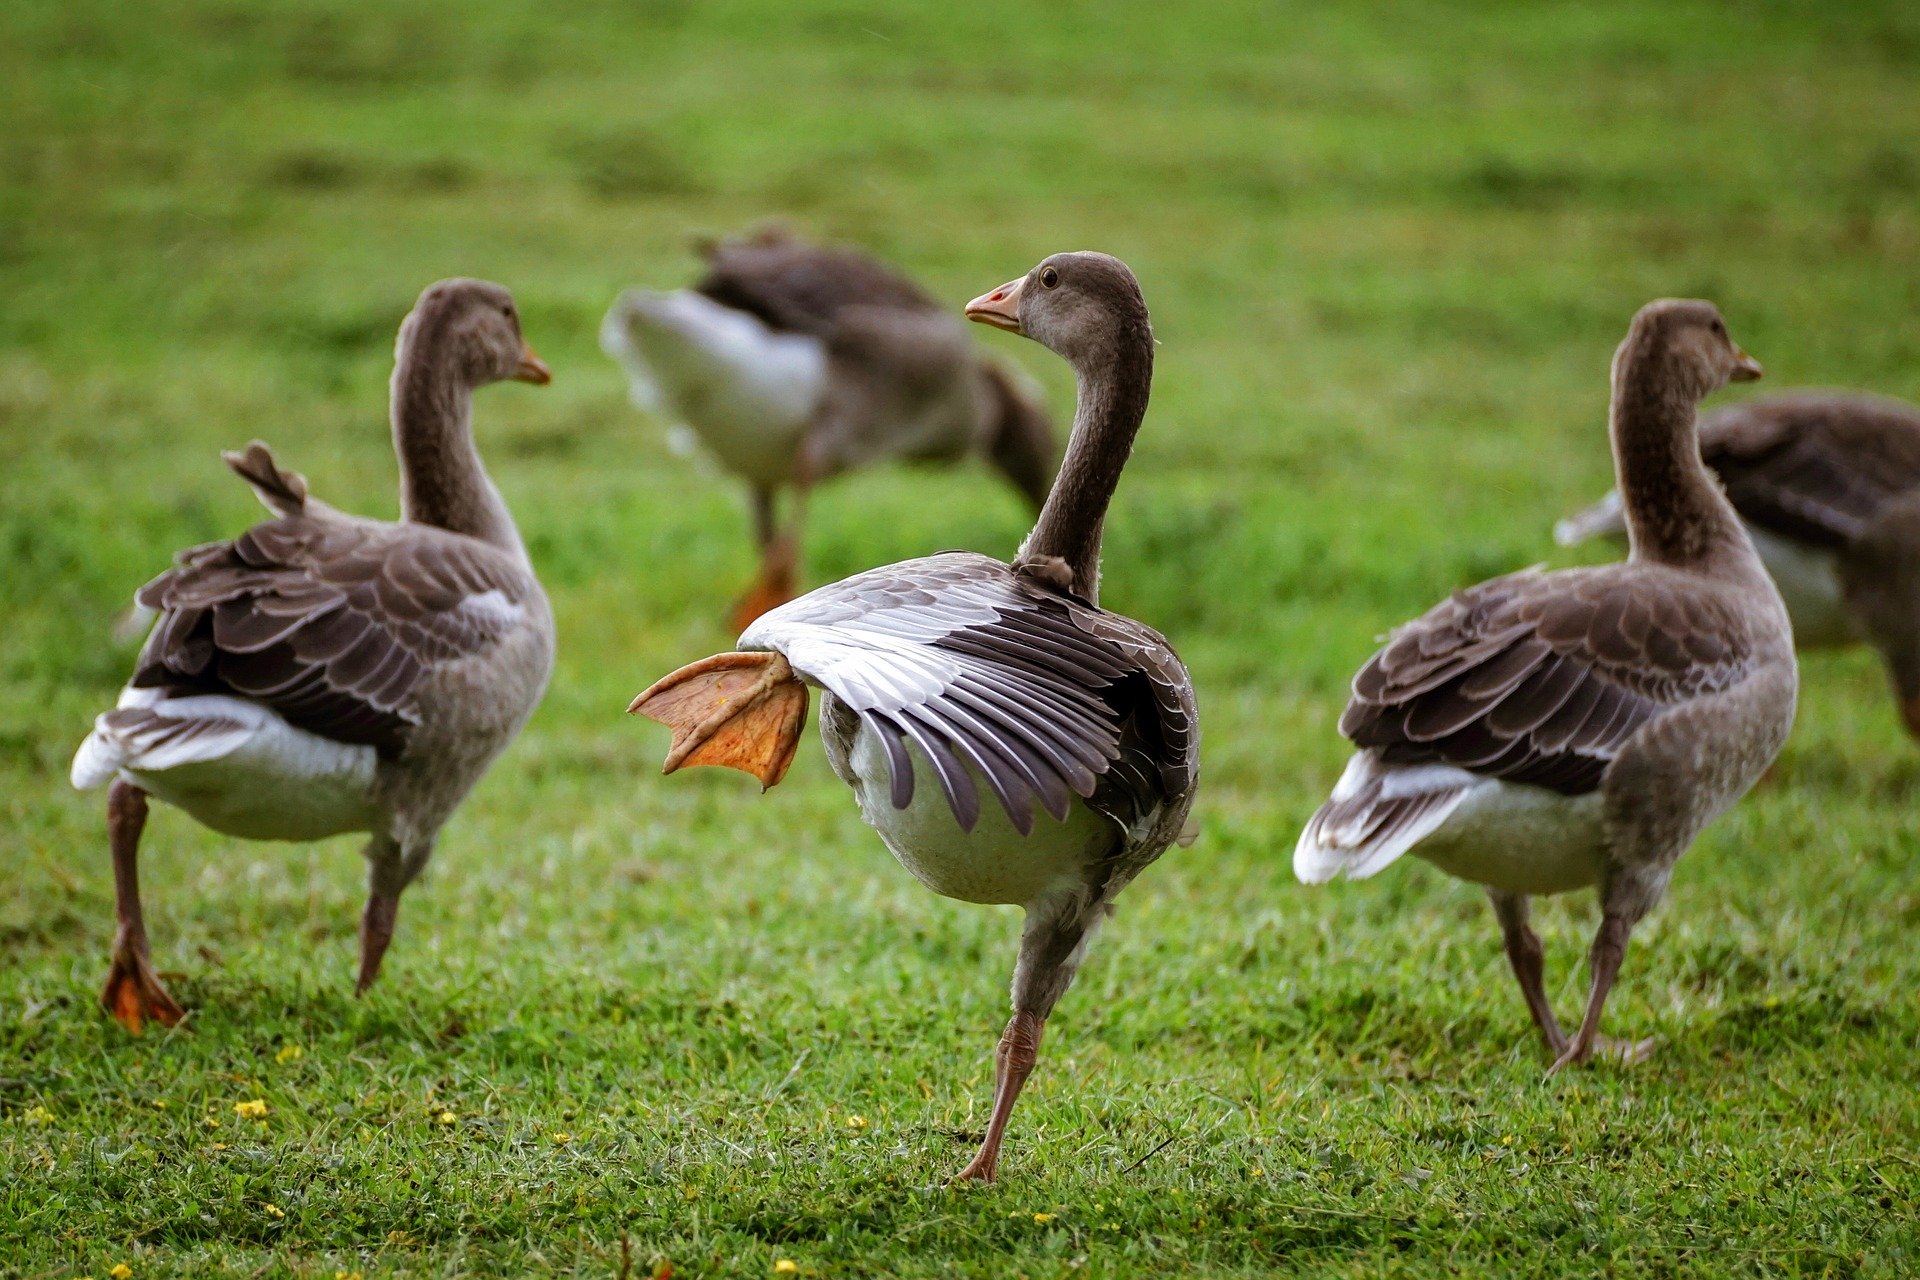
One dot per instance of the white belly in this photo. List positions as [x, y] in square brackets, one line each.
[1522, 839]
[1809, 583]
[993, 863]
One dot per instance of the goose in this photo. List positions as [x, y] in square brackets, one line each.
[793, 363]
[1545, 732]
[1003, 685]
[322, 673]
[1828, 485]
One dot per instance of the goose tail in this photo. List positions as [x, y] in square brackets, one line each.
[1377, 812]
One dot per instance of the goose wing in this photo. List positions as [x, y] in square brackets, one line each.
[1816, 467]
[1542, 678]
[330, 621]
[803, 288]
[995, 675]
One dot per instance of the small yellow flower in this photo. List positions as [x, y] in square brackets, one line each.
[1043, 1217]
[159, 1104]
[121, 1271]
[562, 1139]
[346, 1275]
[212, 1122]
[254, 1108]
[786, 1267]
[37, 1114]
[856, 1122]
[288, 1053]
[1258, 1172]
[219, 1146]
[275, 1211]
[446, 1117]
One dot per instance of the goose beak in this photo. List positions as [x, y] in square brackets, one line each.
[1745, 367]
[1001, 308]
[532, 369]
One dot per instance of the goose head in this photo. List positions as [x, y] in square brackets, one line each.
[471, 329]
[1683, 343]
[1085, 307]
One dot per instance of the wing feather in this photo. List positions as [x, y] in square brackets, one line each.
[1543, 678]
[992, 675]
[329, 620]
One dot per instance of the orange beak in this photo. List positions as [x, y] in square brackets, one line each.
[1001, 308]
[532, 369]
[1745, 367]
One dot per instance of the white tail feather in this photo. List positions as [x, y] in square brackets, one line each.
[1377, 813]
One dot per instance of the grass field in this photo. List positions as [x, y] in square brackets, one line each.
[1388, 248]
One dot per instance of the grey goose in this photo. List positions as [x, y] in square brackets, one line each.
[322, 673]
[1009, 740]
[793, 363]
[1545, 732]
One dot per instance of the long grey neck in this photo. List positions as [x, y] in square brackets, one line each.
[1112, 402]
[442, 480]
[1676, 512]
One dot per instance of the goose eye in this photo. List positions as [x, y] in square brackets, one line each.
[1049, 278]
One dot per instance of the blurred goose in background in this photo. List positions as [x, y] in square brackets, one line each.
[943, 676]
[324, 673]
[793, 363]
[1828, 485]
[1544, 732]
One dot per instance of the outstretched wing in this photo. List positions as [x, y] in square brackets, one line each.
[328, 620]
[1816, 466]
[991, 673]
[1542, 678]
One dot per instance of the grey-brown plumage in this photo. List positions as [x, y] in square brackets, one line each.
[1010, 740]
[1547, 731]
[1828, 483]
[323, 673]
[809, 361]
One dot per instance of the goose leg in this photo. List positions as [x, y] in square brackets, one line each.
[1018, 1050]
[389, 872]
[133, 992]
[1603, 961]
[1051, 947]
[779, 561]
[1524, 954]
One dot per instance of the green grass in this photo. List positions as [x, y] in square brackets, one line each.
[1388, 248]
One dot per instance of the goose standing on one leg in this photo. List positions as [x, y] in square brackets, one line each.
[794, 363]
[1828, 485]
[1544, 732]
[962, 671]
[324, 673]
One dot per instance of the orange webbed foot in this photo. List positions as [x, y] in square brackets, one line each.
[134, 994]
[740, 710]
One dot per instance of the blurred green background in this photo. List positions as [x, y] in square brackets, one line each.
[1388, 248]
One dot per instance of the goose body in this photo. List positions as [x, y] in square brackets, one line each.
[1827, 485]
[791, 363]
[1010, 741]
[323, 674]
[1546, 732]
[993, 864]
